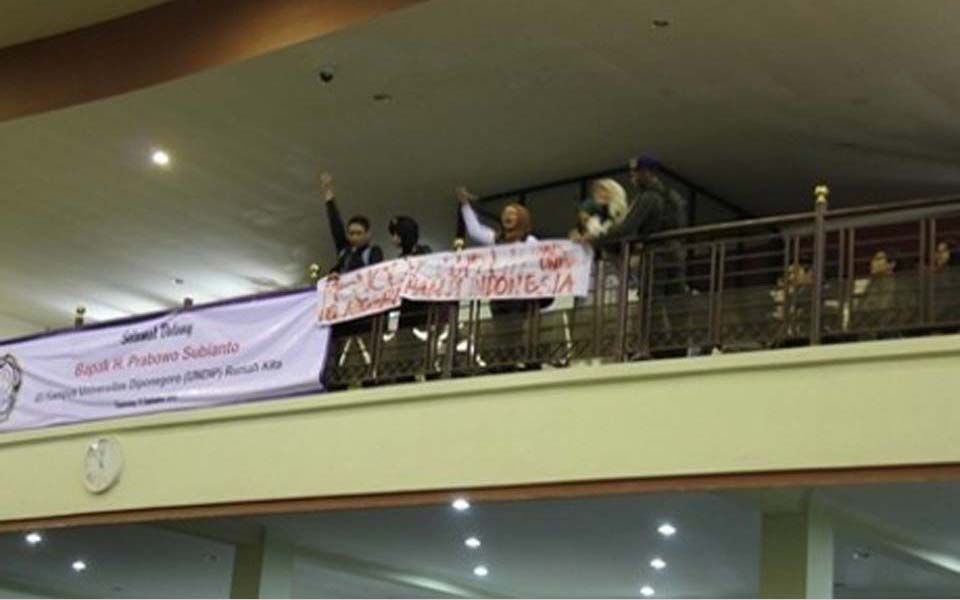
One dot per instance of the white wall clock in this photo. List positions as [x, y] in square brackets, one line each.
[102, 465]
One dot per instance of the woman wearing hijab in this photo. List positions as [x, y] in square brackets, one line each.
[516, 225]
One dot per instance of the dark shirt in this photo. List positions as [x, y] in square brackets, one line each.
[417, 250]
[413, 313]
[349, 258]
[654, 208]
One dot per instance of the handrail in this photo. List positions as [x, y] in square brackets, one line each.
[855, 211]
[895, 206]
[685, 233]
[155, 314]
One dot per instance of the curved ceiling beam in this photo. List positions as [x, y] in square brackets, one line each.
[168, 41]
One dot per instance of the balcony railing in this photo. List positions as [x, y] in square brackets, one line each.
[757, 284]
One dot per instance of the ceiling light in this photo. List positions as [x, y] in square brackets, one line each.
[647, 591]
[481, 571]
[460, 504]
[660, 23]
[667, 530]
[33, 538]
[160, 158]
[78, 566]
[472, 542]
[658, 563]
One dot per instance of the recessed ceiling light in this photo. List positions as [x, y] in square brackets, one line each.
[647, 591]
[460, 504]
[667, 530]
[481, 571]
[33, 538]
[472, 542]
[660, 23]
[382, 97]
[78, 566]
[160, 158]
[658, 563]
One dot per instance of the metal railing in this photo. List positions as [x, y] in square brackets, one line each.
[756, 284]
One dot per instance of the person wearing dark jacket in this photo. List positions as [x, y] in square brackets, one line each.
[655, 207]
[406, 236]
[354, 251]
[405, 233]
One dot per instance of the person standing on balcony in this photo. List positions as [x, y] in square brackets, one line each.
[655, 208]
[354, 251]
[516, 225]
[607, 207]
[405, 233]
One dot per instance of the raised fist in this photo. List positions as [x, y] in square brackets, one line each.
[326, 186]
[464, 196]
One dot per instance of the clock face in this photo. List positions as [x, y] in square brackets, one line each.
[102, 465]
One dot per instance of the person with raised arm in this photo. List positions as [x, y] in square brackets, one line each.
[354, 250]
[516, 225]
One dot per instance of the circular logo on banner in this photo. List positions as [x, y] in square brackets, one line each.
[10, 379]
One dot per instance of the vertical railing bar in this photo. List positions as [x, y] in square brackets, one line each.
[932, 255]
[623, 303]
[376, 342]
[646, 345]
[717, 340]
[430, 350]
[474, 329]
[712, 299]
[598, 298]
[819, 250]
[921, 274]
[851, 271]
[642, 301]
[450, 352]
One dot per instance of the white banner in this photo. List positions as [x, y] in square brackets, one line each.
[544, 269]
[222, 354]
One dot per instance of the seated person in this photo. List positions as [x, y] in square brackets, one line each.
[889, 299]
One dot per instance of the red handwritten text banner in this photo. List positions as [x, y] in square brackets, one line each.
[509, 271]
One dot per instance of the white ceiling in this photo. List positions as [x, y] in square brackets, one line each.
[753, 99]
[591, 547]
[25, 20]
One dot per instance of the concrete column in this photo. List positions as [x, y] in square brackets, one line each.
[263, 569]
[796, 556]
